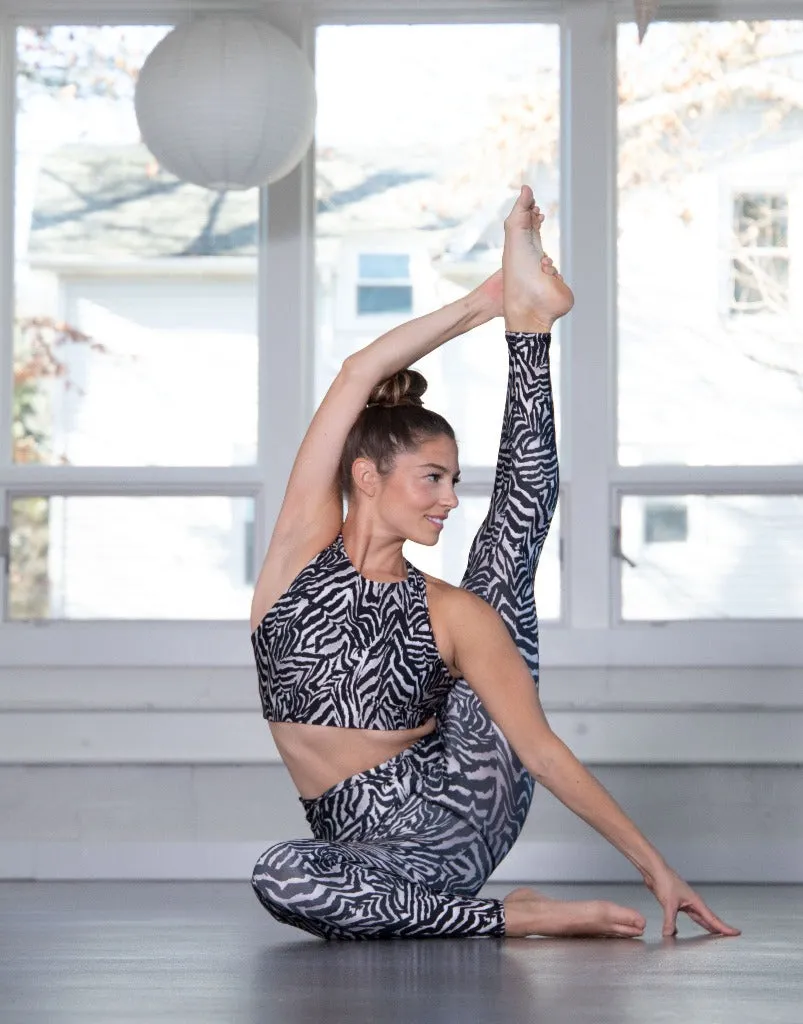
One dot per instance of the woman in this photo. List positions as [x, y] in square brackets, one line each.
[404, 708]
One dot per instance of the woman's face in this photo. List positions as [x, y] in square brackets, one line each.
[418, 493]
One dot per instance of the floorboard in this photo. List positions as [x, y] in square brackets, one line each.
[207, 953]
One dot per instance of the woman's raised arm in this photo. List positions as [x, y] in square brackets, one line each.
[486, 657]
[312, 499]
[312, 510]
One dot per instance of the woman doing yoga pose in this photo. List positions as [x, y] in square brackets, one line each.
[406, 709]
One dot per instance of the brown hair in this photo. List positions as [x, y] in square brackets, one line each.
[393, 421]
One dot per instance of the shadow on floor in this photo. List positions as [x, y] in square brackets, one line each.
[451, 980]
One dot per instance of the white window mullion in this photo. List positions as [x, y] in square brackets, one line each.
[286, 291]
[286, 313]
[132, 480]
[7, 130]
[588, 162]
[677, 479]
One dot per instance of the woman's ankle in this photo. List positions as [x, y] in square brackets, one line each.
[526, 323]
[519, 917]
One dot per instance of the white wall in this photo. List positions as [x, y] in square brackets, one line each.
[141, 773]
[212, 821]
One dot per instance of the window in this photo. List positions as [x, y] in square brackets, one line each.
[713, 557]
[699, 107]
[381, 287]
[135, 349]
[710, 411]
[761, 255]
[414, 176]
[665, 524]
[116, 557]
[384, 265]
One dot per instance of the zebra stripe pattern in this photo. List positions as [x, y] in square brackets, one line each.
[388, 860]
[402, 849]
[340, 649]
[490, 785]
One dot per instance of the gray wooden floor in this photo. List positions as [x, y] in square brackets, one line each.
[207, 952]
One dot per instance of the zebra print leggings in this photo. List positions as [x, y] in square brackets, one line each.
[402, 849]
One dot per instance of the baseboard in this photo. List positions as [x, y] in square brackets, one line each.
[725, 862]
[748, 862]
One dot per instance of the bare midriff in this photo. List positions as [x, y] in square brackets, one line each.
[319, 756]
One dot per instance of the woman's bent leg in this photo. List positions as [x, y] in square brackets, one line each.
[488, 785]
[343, 891]
[387, 860]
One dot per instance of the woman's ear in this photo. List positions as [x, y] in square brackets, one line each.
[365, 476]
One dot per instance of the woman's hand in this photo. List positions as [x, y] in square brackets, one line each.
[490, 293]
[674, 895]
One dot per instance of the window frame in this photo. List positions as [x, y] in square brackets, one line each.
[591, 634]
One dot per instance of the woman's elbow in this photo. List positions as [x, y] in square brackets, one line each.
[355, 366]
[543, 756]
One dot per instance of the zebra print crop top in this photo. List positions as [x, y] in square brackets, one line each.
[339, 649]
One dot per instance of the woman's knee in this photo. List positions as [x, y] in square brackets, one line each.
[275, 870]
[287, 881]
[287, 871]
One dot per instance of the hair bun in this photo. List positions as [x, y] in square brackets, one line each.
[404, 388]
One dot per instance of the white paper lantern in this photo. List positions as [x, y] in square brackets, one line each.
[227, 103]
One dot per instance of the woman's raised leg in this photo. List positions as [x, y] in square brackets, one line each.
[487, 783]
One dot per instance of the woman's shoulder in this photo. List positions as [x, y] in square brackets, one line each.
[457, 614]
[456, 603]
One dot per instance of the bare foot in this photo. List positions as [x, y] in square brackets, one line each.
[535, 295]
[525, 894]
[539, 915]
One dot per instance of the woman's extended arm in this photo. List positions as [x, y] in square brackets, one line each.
[486, 657]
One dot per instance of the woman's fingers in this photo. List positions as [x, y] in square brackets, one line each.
[670, 919]
[706, 918]
[675, 895]
[699, 913]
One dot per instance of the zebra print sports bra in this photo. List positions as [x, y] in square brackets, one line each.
[339, 649]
